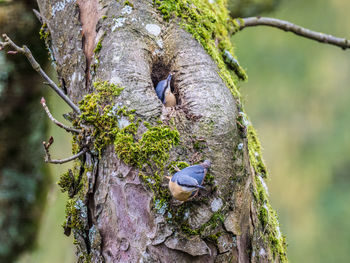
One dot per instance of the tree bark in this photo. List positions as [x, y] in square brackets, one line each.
[135, 48]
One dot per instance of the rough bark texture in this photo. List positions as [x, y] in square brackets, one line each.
[22, 126]
[135, 49]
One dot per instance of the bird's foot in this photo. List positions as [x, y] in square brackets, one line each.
[177, 169]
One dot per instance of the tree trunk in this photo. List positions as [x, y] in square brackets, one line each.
[123, 212]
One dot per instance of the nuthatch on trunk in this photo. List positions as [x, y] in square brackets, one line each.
[164, 92]
[186, 183]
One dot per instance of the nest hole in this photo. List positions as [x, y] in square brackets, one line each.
[161, 71]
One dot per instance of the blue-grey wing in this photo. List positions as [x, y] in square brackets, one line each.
[186, 180]
[160, 89]
[195, 171]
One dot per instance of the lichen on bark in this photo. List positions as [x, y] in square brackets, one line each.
[131, 152]
[210, 24]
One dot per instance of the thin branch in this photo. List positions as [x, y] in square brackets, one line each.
[61, 161]
[59, 124]
[41, 18]
[48, 156]
[25, 50]
[298, 30]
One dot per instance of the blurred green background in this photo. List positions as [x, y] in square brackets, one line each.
[52, 246]
[298, 99]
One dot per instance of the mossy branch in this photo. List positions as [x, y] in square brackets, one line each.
[298, 30]
[25, 51]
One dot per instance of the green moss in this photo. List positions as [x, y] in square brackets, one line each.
[263, 216]
[255, 153]
[104, 17]
[96, 110]
[208, 230]
[189, 231]
[76, 214]
[269, 222]
[211, 26]
[266, 215]
[153, 146]
[85, 258]
[173, 167]
[278, 246]
[178, 215]
[141, 144]
[275, 239]
[150, 153]
[75, 183]
[199, 144]
[99, 120]
[45, 35]
[67, 183]
[214, 237]
[234, 65]
[44, 32]
[137, 143]
[98, 47]
[128, 3]
[216, 219]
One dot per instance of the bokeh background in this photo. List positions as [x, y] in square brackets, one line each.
[298, 99]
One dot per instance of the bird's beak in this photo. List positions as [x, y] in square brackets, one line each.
[199, 186]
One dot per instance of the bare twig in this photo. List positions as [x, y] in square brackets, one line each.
[69, 159]
[59, 124]
[298, 30]
[25, 50]
[48, 156]
[47, 147]
[41, 18]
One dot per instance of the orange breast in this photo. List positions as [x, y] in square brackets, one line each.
[170, 100]
[177, 192]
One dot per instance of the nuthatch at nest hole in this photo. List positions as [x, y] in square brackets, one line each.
[186, 183]
[164, 92]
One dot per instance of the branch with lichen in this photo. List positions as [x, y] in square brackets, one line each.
[59, 124]
[290, 27]
[48, 159]
[25, 51]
